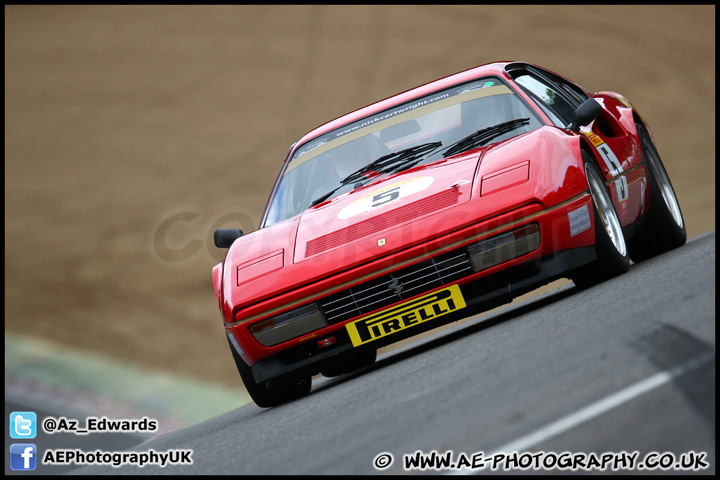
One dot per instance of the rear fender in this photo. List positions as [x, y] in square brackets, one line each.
[622, 110]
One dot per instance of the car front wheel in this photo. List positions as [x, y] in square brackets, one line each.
[610, 247]
[266, 396]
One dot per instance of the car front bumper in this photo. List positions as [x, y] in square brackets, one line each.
[562, 249]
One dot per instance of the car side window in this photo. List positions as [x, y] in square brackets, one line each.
[577, 94]
[550, 97]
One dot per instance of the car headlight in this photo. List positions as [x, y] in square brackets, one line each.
[287, 326]
[260, 266]
[506, 246]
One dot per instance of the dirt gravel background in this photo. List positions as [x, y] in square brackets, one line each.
[131, 132]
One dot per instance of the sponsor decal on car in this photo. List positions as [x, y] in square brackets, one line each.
[579, 220]
[405, 315]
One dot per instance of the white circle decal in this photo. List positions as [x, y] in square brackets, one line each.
[384, 196]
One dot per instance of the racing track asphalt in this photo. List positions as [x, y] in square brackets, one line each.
[628, 365]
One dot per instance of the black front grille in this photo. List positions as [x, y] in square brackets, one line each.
[405, 283]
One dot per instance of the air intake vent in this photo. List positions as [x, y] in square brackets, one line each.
[378, 223]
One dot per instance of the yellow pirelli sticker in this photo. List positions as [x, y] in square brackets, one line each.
[405, 315]
[597, 141]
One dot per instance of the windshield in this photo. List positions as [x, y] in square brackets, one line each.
[320, 168]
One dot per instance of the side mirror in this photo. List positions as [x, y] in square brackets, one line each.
[224, 237]
[588, 111]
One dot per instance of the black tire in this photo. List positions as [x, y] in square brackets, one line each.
[664, 227]
[265, 396]
[610, 247]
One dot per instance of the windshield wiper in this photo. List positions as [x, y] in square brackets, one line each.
[484, 135]
[324, 197]
[392, 162]
[395, 159]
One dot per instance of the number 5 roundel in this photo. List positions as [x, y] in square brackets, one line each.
[385, 196]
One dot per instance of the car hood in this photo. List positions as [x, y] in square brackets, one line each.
[383, 216]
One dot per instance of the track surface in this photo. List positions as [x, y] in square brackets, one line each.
[628, 365]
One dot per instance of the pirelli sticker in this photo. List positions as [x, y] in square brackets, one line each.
[405, 315]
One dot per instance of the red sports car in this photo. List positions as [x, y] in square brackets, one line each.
[439, 202]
